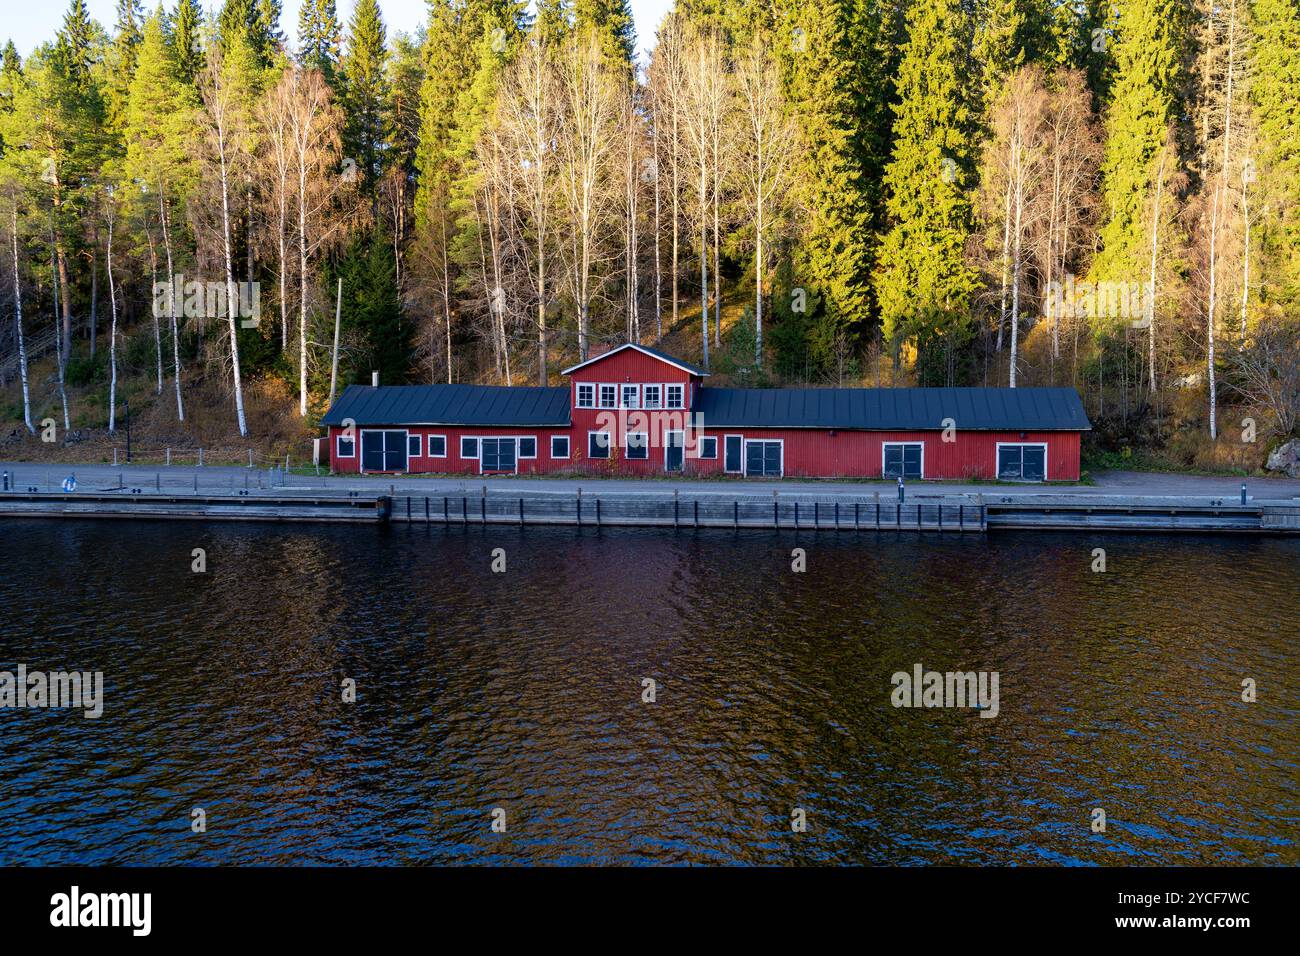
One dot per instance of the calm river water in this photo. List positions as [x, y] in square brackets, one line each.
[523, 691]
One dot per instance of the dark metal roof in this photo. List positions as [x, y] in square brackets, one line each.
[893, 409]
[450, 405]
[662, 356]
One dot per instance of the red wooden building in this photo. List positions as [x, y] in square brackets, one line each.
[637, 411]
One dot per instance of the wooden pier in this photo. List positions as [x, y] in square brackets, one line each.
[237, 507]
[924, 513]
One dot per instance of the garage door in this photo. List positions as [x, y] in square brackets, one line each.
[1022, 462]
[903, 459]
[383, 450]
[497, 454]
[763, 458]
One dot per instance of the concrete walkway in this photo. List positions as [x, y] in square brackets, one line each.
[227, 479]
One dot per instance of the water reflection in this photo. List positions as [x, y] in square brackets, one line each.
[522, 691]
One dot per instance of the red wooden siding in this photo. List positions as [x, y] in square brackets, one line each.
[809, 454]
[812, 453]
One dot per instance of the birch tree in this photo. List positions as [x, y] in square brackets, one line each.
[225, 97]
[324, 195]
[767, 147]
[588, 151]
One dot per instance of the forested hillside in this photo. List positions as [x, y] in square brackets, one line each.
[838, 192]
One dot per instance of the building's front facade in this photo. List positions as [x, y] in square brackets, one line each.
[637, 411]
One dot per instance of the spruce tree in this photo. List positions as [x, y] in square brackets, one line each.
[319, 36]
[1147, 54]
[923, 281]
[365, 91]
[372, 310]
[122, 60]
[75, 45]
[1277, 112]
[187, 40]
[611, 20]
[833, 254]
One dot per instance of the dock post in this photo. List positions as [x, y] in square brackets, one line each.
[898, 517]
[857, 524]
[735, 513]
[837, 516]
[115, 465]
[408, 509]
[482, 508]
[196, 484]
[979, 504]
[521, 512]
[157, 482]
[426, 509]
[579, 507]
[940, 515]
[961, 517]
[918, 516]
[200, 457]
[817, 515]
[676, 509]
[597, 512]
[877, 511]
[464, 510]
[446, 518]
[697, 513]
[169, 457]
[250, 458]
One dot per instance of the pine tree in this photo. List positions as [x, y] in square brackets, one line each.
[923, 281]
[365, 91]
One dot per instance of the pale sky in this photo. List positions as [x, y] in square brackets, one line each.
[30, 24]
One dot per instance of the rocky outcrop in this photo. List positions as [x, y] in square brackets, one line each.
[1286, 458]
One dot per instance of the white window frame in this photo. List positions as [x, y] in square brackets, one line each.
[668, 387]
[600, 395]
[997, 456]
[627, 446]
[744, 455]
[568, 447]
[741, 469]
[623, 392]
[341, 437]
[591, 402]
[428, 444]
[609, 444]
[461, 449]
[519, 455]
[419, 445]
[700, 451]
[659, 396]
[886, 444]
